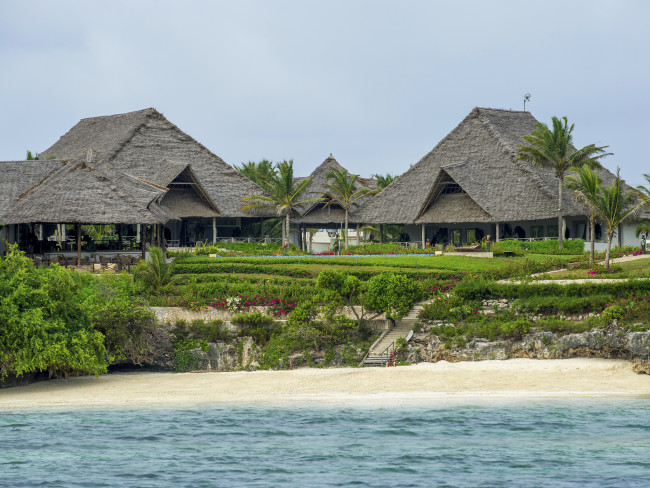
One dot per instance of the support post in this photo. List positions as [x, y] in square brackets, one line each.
[358, 237]
[424, 234]
[214, 230]
[78, 244]
[381, 233]
[496, 234]
[119, 236]
[142, 229]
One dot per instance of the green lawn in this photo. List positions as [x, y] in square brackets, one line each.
[639, 268]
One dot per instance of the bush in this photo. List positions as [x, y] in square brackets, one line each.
[393, 294]
[551, 246]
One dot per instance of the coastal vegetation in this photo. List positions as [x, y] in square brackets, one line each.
[297, 310]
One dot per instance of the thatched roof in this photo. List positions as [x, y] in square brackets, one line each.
[146, 145]
[16, 177]
[81, 193]
[313, 212]
[478, 161]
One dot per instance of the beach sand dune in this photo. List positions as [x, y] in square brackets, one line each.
[422, 383]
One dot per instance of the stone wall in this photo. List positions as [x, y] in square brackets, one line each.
[607, 344]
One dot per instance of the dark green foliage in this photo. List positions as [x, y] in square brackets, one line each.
[392, 293]
[256, 325]
[562, 304]
[43, 326]
[201, 330]
[155, 272]
[571, 247]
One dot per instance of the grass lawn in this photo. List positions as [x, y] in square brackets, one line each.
[639, 268]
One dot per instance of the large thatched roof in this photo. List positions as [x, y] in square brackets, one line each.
[314, 212]
[80, 193]
[16, 177]
[146, 145]
[472, 175]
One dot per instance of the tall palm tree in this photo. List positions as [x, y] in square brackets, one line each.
[586, 185]
[644, 194]
[553, 149]
[343, 192]
[615, 205]
[283, 193]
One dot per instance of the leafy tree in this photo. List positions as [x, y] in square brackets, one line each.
[42, 324]
[283, 193]
[393, 293]
[586, 185]
[343, 192]
[553, 149]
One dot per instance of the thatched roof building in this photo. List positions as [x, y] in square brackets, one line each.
[317, 213]
[80, 193]
[144, 144]
[16, 177]
[472, 175]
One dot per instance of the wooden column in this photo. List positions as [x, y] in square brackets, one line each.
[78, 228]
[496, 234]
[143, 239]
[151, 230]
[381, 233]
[214, 230]
[358, 237]
[424, 234]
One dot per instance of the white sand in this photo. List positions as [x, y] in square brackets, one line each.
[423, 383]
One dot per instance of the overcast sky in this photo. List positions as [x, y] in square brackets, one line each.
[376, 83]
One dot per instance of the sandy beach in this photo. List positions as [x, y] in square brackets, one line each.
[425, 382]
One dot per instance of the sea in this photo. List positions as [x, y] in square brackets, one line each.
[521, 443]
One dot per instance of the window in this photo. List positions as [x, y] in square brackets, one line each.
[537, 231]
[552, 230]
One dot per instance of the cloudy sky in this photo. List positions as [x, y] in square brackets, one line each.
[376, 83]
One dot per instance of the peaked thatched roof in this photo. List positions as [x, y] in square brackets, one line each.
[80, 193]
[479, 156]
[16, 177]
[187, 197]
[314, 212]
[146, 145]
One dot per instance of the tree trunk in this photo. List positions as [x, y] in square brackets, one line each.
[592, 240]
[610, 236]
[560, 230]
[288, 226]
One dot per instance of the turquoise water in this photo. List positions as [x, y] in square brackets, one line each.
[586, 443]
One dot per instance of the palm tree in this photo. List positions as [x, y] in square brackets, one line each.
[283, 193]
[586, 185]
[256, 171]
[554, 150]
[343, 192]
[644, 194]
[615, 205]
[383, 181]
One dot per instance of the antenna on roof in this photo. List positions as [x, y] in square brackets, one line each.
[526, 99]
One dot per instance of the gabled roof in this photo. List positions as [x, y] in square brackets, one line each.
[146, 145]
[18, 176]
[317, 188]
[187, 197]
[81, 193]
[480, 156]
